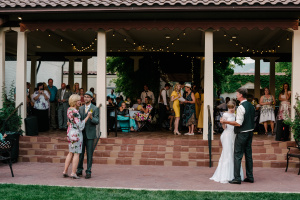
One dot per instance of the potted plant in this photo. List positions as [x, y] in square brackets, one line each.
[295, 123]
[10, 124]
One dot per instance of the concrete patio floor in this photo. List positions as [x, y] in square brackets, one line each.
[151, 178]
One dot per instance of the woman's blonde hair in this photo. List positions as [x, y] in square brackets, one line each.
[175, 87]
[230, 104]
[46, 88]
[74, 87]
[73, 100]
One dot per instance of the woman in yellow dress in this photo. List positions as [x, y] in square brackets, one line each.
[200, 118]
[174, 97]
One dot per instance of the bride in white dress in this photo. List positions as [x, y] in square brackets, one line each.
[225, 169]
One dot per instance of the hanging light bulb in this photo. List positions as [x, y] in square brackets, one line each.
[113, 34]
[288, 38]
[184, 33]
[177, 38]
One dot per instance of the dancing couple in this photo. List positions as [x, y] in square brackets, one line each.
[82, 122]
[236, 141]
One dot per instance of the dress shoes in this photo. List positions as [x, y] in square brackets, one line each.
[79, 173]
[87, 176]
[248, 180]
[235, 182]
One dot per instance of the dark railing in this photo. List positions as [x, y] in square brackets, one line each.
[209, 133]
[11, 114]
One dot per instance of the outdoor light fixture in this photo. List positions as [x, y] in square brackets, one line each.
[230, 40]
[61, 40]
[49, 35]
[38, 47]
[168, 36]
[178, 38]
[125, 39]
[236, 44]
[133, 43]
[225, 35]
[234, 37]
[287, 38]
[172, 43]
[184, 33]
[278, 46]
[20, 18]
[113, 34]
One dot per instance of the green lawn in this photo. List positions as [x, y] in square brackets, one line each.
[32, 192]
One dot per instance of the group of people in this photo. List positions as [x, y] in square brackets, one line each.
[50, 104]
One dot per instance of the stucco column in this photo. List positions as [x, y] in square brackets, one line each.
[33, 73]
[101, 80]
[84, 72]
[272, 75]
[257, 78]
[2, 63]
[136, 60]
[295, 71]
[21, 74]
[71, 71]
[208, 81]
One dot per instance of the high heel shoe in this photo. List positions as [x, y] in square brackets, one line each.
[74, 176]
[65, 175]
[177, 133]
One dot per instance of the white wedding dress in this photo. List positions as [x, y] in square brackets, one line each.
[225, 169]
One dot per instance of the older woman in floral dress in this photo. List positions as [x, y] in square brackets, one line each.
[75, 127]
[145, 111]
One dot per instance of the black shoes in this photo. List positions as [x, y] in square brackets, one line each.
[235, 182]
[248, 180]
[87, 176]
[79, 173]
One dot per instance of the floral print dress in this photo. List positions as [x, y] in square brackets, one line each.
[74, 131]
[284, 109]
[144, 116]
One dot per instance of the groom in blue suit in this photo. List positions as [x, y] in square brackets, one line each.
[89, 133]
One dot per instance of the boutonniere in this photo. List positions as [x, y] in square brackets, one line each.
[67, 90]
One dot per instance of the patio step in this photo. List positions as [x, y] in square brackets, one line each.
[141, 151]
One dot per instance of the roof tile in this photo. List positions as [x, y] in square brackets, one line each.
[75, 3]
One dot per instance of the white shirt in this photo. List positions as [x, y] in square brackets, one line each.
[62, 94]
[148, 93]
[240, 115]
[164, 96]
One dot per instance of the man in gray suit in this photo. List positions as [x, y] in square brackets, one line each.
[89, 133]
[62, 97]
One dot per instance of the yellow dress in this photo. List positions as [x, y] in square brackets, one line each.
[197, 107]
[176, 105]
[200, 118]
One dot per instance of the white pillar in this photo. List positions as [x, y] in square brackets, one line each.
[208, 82]
[71, 71]
[84, 72]
[33, 73]
[295, 71]
[272, 75]
[101, 80]
[257, 78]
[2, 64]
[21, 74]
[136, 62]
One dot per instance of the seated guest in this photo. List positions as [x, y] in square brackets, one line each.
[41, 107]
[223, 106]
[138, 105]
[128, 102]
[121, 117]
[5, 144]
[145, 111]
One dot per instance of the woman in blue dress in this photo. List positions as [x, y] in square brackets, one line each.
[121, 118]
[189, 110]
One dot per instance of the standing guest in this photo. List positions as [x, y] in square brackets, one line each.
[89, 133]
[183, 94]
[138, 105]
[174, 97]
[62, 97]
[223, 106]
[53, 103]
[197, 99]
[47, 89]
[81, 94]
[118, 102]
[146, 93]
[75, 127]
[94, 95]
[200, 118]
[110, 101]
[189, 109]
[163, 104]
[285, 105]
[41, 107]
[112, 95]
[145, 112]
[76, 89]
[267, 112]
